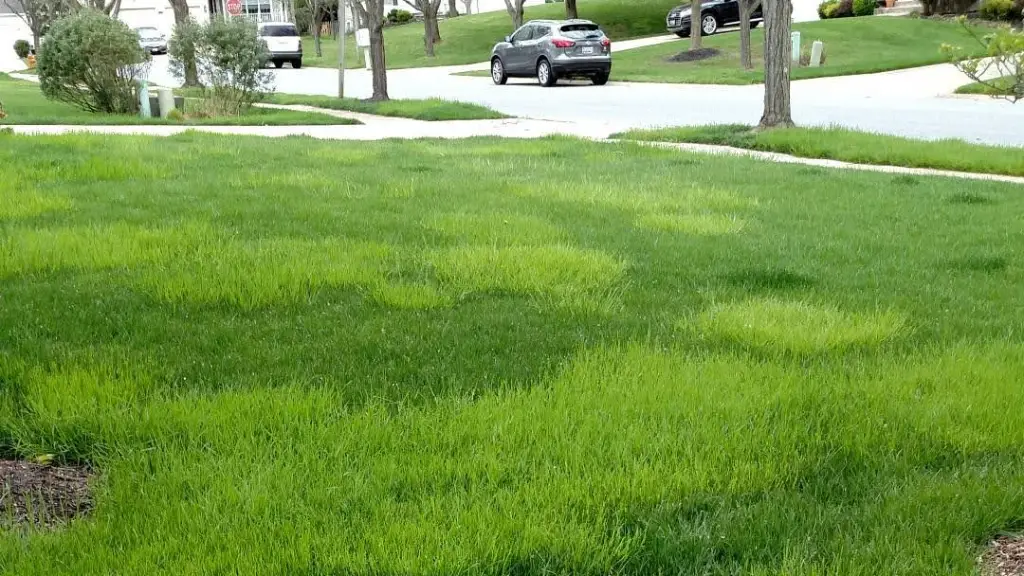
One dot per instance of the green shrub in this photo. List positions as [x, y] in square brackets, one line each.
[827, 8]
[999, 10]
[397, 16]
[176, 116]
[230, 57]
[22, 48]
[863, 7]
[92, 61]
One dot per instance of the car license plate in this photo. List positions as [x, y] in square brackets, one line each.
[588, 49]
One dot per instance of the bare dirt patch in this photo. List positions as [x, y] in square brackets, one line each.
[694, 55]
[35, 494]
[1005, 557]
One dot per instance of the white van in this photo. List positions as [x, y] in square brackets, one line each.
[283, 43]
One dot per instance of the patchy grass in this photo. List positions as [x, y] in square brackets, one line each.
[431, 109]
[853, 146]
[853, 46]
[469, 39]
[25, 104]
[439, 357]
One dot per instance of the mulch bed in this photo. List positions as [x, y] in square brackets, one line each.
[694, 55]
[1005, 557]
[34, 494]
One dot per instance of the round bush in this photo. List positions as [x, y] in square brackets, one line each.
[397, 16]
[22, 48]
[93, 62]
[826, 8]
[863, 7]
[998, 10]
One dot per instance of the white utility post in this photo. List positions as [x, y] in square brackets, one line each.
[341, 50]
[795, 36]
[363, 41]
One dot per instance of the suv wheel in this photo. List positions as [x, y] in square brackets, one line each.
[297, 63]
[498, 73]
[600, 79]
[545, 75]
[278, 63]
[708, 25]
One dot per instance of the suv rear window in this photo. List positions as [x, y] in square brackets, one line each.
[283, 30]
[580, 31]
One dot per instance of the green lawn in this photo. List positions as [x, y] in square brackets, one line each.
[431, 109]
[25, 104]
[850, 146]
[498, 357]
[852, 46]
[1001, 84]
[469, 39]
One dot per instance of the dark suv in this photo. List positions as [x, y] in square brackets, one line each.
[714, 15]
[550, 49]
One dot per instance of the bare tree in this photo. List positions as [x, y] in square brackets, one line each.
[777, 62]
[468, 4]
[315, 10]
[371, 14]
[109, 7]
[570, 10]
[515, 11]
[37, 15]
[431, 31]
[696, 25]
[453, 9]
[747, 8]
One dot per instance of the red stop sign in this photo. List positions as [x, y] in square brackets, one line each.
[234, 7]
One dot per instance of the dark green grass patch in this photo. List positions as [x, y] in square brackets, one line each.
[858, 147]
[439, 357]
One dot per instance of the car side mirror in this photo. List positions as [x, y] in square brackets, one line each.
[508, 39]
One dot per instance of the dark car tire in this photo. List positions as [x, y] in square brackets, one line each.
[755, 24]
[498, 73]
[682, 34]
[278, 63]
[297, 63]
[600, 79]
[545, 74]
[706, 21]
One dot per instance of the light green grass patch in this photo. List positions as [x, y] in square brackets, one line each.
[696, 224]
[25, 250]
[799, 327]
[569, 276]
[254, 273]
[495, 228]
[20, 200]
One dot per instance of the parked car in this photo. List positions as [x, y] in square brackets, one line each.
[283, 43]
[714, 15]
[552, 49]
[152, 40]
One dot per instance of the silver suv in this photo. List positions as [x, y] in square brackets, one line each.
[551, 49]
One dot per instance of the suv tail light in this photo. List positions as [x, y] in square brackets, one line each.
[562, 43]
[606, 42]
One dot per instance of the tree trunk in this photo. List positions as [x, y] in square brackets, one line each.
[695, 25]
[515, 11]
[747, 8]
[35, 40]
[430, 34]
[777, 62]
[371, 13]
[181, 18]
[453, 10]
[570, 10]
[468, 5]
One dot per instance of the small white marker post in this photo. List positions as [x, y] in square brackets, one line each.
[816, 50]
[795, 37]
[165, 98]
[363, 41]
